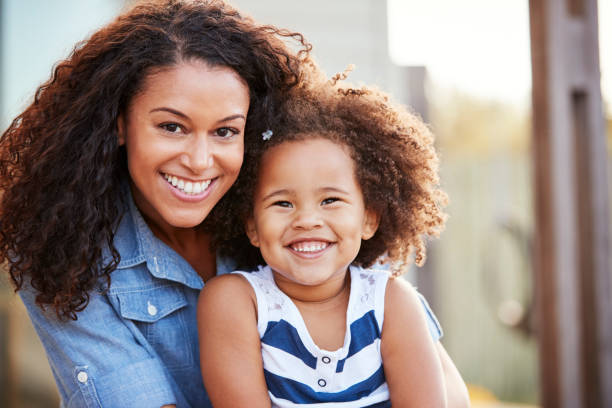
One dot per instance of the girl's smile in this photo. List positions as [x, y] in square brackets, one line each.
[309, 248]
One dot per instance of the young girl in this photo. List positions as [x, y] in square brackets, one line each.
[344, 179]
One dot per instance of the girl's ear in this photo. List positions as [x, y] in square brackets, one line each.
[251, 232]
[121, 130]
[370, 224]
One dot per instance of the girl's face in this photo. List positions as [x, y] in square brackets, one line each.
[183, 134]
[309, 214]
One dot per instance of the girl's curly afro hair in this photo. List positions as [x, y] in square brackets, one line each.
[395, 161]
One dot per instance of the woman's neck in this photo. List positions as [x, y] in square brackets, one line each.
[192, 244]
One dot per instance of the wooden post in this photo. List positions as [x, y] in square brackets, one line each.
[416, 100]
[572, 246]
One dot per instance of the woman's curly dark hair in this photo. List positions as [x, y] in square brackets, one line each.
[395, 161]
[61, 168]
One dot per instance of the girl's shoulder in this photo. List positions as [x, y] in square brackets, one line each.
[227, 292]
[227, 284]
[370, 274]
[404, 303]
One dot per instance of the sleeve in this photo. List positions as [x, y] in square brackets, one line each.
[432, 322]
[97, 360]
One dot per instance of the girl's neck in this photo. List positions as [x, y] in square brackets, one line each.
[324, 311]
[327, 294]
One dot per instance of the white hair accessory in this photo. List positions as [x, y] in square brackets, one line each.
[267, 134]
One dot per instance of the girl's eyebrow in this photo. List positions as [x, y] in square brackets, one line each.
[275, 193]
[333, 190]
[287, 191]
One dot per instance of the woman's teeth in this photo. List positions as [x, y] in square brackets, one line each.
[187, 187]
[309, 247]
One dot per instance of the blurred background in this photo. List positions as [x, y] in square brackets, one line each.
[465, 68]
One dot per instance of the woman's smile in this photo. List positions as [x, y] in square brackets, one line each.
[188, 187]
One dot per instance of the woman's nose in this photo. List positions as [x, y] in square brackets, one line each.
[198, 155]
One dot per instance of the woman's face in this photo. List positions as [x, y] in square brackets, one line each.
[184, 137]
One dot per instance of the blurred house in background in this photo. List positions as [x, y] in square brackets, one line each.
[478, 276]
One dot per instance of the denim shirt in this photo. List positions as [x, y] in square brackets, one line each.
[135, 344]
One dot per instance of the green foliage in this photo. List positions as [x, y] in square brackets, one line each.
[464, 124]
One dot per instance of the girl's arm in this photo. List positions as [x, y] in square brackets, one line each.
[230, 351]
[412, 366]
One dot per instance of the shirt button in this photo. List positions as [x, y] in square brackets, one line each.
[151, 309]
[326, 360]
[82, 377]
[322, 382]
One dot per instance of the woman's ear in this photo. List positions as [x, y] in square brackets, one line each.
[370, 224]
[251, 232]
[121, 130]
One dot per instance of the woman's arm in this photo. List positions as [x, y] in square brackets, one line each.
[96, 359]
[412, 366]
[230, 350]
[456, 391]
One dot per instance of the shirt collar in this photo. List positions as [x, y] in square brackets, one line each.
[137, 244]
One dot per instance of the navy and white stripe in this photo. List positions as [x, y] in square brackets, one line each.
[298, 372]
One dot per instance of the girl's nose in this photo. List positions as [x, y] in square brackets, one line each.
[307, 219]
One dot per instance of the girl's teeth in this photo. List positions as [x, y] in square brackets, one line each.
[310, 247]
[187, 187]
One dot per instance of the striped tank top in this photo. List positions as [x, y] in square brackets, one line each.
[298, 372]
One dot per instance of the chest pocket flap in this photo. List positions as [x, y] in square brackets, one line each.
[150, 305]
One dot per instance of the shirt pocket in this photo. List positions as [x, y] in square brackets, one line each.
[159, 313]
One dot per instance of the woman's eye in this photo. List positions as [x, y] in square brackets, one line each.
[329, 200]
[171, 127]
[284, 204]
[226, 132]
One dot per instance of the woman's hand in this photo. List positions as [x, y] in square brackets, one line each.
[456, 391]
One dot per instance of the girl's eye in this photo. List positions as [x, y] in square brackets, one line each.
[226, 132]
[329, 200]
[171, 127]
[284, 204]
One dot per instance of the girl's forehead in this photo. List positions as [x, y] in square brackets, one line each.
[310, 143]
[306, 159]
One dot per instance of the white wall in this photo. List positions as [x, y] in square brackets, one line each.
[35, 35]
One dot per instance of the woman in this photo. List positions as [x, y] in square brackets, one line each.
[108, 178]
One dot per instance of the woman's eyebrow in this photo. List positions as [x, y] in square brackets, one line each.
[173, 111]
[232, 117]
[181, 114]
